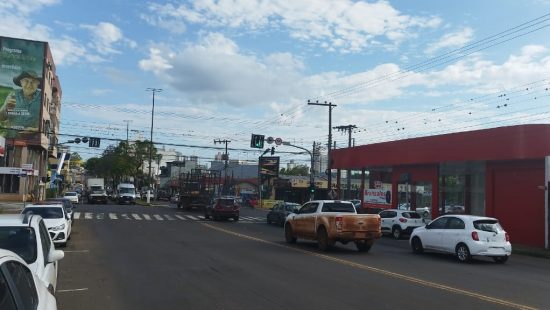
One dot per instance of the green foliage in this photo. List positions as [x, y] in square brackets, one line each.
[299, 170]
[51, 192]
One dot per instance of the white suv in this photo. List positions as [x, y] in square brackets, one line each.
[27, 236]
[465, 236]
[57, 220]
[19, 288]
[399, 222]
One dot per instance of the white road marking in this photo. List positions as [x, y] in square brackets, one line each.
[192, 217]
[100, 216]
[136, 216]
[72, 290]
[168, 217]
[247, 218]
[180, 217]
[125, 216]
[76, 251]
[201, 217]
[77, 215]
[88, 215]
[113, 216]
[158, 217]
[146, 216]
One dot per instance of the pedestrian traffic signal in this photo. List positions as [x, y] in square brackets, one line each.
[272, 150]
[257, 141]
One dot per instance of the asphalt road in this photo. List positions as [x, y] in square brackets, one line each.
[135, 257]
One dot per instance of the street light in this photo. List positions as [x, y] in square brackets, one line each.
[154, 90]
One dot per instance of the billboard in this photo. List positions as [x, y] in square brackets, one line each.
[21, 83]
[269, 166]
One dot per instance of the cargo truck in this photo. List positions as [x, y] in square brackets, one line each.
[96, 190]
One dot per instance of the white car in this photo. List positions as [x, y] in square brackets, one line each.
[27, 236]
[72, 196]
[57, 221]
[399, 222]
[19, 287]
[465, 236]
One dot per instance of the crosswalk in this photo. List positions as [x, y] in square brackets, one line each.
[153, 217]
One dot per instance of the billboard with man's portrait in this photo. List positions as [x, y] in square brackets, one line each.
[21, 84]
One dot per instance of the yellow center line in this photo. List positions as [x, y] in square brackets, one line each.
[382, 271]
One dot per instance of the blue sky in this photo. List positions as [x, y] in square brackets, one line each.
[232, 68]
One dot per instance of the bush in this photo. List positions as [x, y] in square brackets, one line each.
[51, 193]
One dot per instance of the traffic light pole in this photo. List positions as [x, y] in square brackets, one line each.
[311, 177]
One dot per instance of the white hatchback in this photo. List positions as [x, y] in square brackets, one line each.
[72, 196]
[57, 221]
[465, 236]
[19, 288]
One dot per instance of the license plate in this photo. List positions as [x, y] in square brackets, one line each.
[360, 235]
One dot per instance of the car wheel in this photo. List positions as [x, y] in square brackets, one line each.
[463, 253]
[500, 259]
[289, 234]
[322, 239]
[396, 233]
[416, 245]
[363, 246]
[206, 216]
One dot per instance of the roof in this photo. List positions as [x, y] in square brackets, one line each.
[12, 220]
[46, 204]
[503, 143]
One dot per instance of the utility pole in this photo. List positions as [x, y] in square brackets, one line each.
[154, 90]
[349, 130]
[311, 177]
[127, 121]
[226, 157]
[330, 106]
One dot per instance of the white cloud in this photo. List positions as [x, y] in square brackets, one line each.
[344, 25]
[452, 40]
[25, 7]
[105, 36]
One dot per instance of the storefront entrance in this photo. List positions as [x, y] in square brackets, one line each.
[414, 188]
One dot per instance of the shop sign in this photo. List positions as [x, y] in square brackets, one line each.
[377, 196]
[11, 170]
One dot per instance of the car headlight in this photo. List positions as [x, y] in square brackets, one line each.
[57, 228]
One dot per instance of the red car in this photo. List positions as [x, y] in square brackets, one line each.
[223, 208]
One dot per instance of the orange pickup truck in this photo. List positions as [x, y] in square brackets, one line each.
[328, 221]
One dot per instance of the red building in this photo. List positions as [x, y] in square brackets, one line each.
[501, 172]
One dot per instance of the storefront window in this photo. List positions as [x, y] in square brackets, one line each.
[462, 188]
[378, 190]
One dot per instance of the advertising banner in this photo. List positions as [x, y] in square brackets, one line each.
[2, 146]
[21, 82]
[269, 166]
[378, 196]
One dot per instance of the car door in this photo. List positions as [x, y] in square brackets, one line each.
[21, 283]
[68, 220]
[301, 217]
[7, 298]
[431, 238]
[278, 214]
[389, 220]
[48, 270]
[452, 234]
[384, 217]
[310, 220]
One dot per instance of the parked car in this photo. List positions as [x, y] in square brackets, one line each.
[69, 207]
[27, 236]
[20, 289]
[280, 211]
[72, 196]
[175, 198]
[465, 236]
[424, 211]
[357, 205]
[399, 222]
[222, 208]
[57, 221]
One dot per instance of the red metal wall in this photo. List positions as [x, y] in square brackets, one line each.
[513, 196]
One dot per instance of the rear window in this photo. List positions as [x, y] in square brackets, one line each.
[46, 212]
[411, 215]
[488, 225]
[292, 207]
[338, 207]
[20, 240]
[226, 202]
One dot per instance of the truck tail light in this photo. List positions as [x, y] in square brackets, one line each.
[507, 237]
[402, 220]
[339, 222]
[475, 236]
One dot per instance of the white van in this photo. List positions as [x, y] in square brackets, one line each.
[126, 193]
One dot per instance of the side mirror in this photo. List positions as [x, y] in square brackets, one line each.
[55, 255]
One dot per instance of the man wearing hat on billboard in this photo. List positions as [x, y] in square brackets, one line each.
[21, 109]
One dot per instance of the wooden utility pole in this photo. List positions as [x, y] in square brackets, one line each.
[349, 130]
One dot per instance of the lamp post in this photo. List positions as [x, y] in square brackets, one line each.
[154, 90]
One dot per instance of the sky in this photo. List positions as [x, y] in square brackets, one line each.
[232, 68]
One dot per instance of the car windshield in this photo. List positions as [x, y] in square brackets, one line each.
[45, 212]
[338, 207]
[70, 194]
[291, 207]
[126, 190]
[411, 215]
[488, 225]
[225, 202]
[20, 240]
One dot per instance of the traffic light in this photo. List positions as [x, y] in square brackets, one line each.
[94, 142]
[272, 150]
[312, 189]
[257, 141]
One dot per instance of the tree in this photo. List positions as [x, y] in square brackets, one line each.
[76, 160]
[300, 170]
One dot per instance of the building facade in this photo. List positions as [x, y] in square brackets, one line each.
[30, 107]
[501, 172]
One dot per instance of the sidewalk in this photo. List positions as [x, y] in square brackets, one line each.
[11, 207]
[531, 251]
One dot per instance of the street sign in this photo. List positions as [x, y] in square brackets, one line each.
[269, 140]
[10, 170]
[94, 142]
[278, 141]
